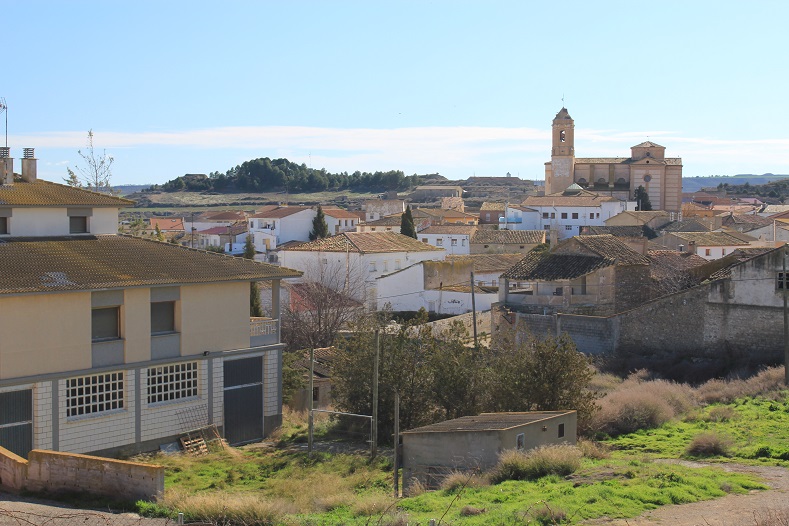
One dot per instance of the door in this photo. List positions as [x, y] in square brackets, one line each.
[243, 400]
[16, 421]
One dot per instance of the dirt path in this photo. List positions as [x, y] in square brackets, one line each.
[757, 508]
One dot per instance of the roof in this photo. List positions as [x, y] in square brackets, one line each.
[233, 230]
[582, 198]
[562, 115]
[549, 267]
[487, 262]
[340, 213]
[648, 144]
[439, 187]
[393, 220]
[224, 215]
[488, 422]
[443, 212]
[746, 222]
[466, 230]
[513, 237]
[283, 211]
[644, 216]
[686, 225]
[490, 205]
[625, 160]
[607, 246]
[620, 231]
[366, 243]
[167, 223]
[738, 256]
[45, 193]
[719, 239]
[116, 261]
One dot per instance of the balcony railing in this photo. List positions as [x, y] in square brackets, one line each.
[263, 331]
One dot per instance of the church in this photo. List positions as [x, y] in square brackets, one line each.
[619, 177]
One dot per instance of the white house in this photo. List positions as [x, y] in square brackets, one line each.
[217, 236]
[375, 209]
[455, 239]
[567, 211]
[339, 220]
[115, 344]
[280, 225]
[709, 245]
[353, 260]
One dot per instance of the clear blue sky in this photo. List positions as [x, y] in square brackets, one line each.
[458, 88]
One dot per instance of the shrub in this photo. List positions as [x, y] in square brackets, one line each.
[708, 445]
[470, 511]
[546, 515]
[721, 414]
[771, 518]
[228, 508]
[593, 450]
[766, 382]
[415, 488]
[369, 505]
[457, 480]
[641, 404]
[545, 460]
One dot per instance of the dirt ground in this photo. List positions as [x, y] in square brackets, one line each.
[757, 508]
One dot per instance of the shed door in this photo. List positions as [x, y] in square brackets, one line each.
[16, 421]
[243, 400]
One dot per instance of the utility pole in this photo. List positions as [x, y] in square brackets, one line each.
[786, 320]
[474, 311]
[312, 400]
[374, 438]
[397, 444]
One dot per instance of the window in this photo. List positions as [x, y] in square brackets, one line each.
[575, 215]
[561, 430]
[162, 317]
[78, 225]
[3, 225]
[439, 242]
[372, 266]
[783, 281]
[397, 264]
[547, 227]
[105, 324]
[454, 242]
[545, 215]
[424, 240]
[564, 215]
[723, 251]
[316, 394]
[562, 136]
[568, 227]
[176, 381]
[463, 242]
[553, 215]
[99, 393]
[386, 266]
[707, 251]
[520, 441]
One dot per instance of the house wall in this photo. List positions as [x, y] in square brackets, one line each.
[460, 246]
[430, 456]
[37, 221]
[214, 317]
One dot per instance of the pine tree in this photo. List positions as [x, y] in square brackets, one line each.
[319, 227]
[407, 227]
[255, 308]
[642, 198]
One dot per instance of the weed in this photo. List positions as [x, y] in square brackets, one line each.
[471, 511]
[546, 515]
[708, 445]
[593, 450]
[546, 460]
[771, 518]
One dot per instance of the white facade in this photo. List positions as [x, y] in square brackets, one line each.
[376, 209]
[453, 244]
[293, 227]
[36, 222]
[343, 223]
[565, 220]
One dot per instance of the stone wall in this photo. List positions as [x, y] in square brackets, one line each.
[55, 472]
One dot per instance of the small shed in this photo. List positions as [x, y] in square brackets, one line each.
[475, 442]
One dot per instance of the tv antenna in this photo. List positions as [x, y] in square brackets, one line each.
[4, 109]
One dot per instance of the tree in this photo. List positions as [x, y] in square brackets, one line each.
[407, 227]
[96, 173]
[158, 234]
[255, 308]
[642, 198]
[320, 229]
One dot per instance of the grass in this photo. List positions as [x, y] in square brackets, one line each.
[616, 477]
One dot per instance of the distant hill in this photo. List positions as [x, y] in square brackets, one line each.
[126, 189]
[694, 184]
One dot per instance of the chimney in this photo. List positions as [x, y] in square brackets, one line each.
[29, 165]
[6, 166]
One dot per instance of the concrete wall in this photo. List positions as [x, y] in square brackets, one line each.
[54, 472]
[214, 317]
[55, 222]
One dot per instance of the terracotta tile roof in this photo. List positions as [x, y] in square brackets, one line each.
[648, 144]
[393, 220]
[233, 230]
[167, 224]
[675, 260]
[487, 422]
[224, 215]
[467, 230]
[748, 221]
[620, 231]
[45, 193]
[488, 205]
[719, 239]
[366, 243]
[674, 161]
[283, 211]
[608, 246]
[559, 199]
[443, 213]
[511, 237]
[339, 213]
[550, 267]
[686, 225]
[488, 262]
[115, 261]
[735, 258]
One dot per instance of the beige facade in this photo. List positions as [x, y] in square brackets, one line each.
[647, 166]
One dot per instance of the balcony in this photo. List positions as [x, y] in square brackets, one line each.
[263, 331]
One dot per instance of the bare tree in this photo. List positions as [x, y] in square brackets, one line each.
[321, 305]
[96, 173]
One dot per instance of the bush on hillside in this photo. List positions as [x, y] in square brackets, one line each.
[708, 445]
[559, 460]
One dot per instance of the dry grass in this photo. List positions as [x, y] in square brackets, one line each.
[457, 480]
[545, 515]
[766, 383]
[415, 488]
[559, 460]
[373, 505]
[708, 445]
[593, 450]
[244, 508]
[639, 404]
[771, 518]
[471, 511]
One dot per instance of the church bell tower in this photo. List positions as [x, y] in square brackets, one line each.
[559, 172]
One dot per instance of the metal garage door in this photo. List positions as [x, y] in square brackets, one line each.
[243, 400]
[16, 421]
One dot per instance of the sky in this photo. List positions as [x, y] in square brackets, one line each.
[452, 87]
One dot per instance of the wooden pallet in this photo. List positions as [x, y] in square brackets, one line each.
[194, 445]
